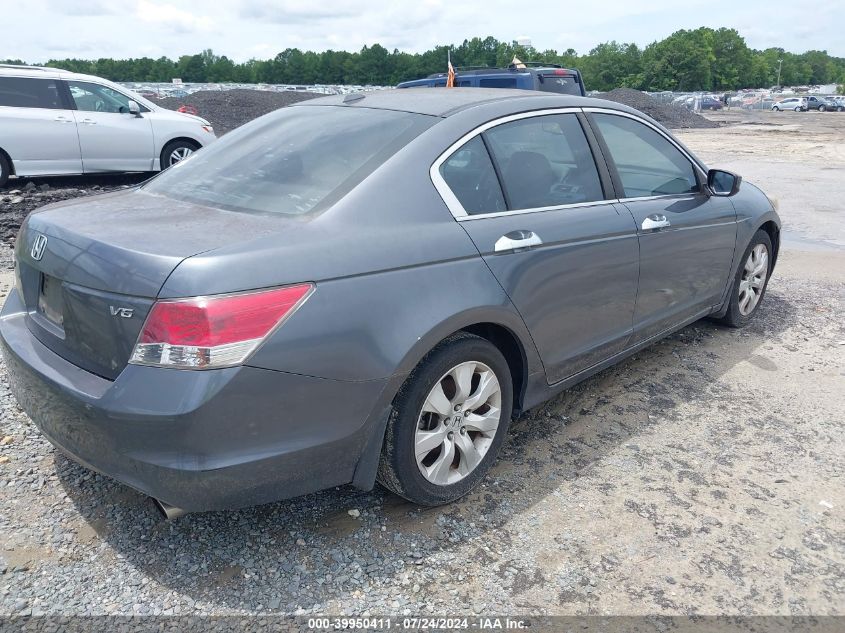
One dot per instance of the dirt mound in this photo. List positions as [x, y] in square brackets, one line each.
[673, 116]
[228, 109]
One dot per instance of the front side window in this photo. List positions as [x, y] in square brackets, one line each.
[647, 163]
[24, 92]
[91, 97]
[472, 178]
[545, 161]
[293, 161]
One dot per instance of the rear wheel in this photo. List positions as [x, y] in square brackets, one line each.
[798, 108]
[448, 422]
[776, 109]
[751, 281]
[822, 108]
[177, 151]
[5, 169]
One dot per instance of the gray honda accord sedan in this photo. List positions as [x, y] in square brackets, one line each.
[368, 288]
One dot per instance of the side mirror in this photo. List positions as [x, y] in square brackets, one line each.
[134, 108]
[723, 183]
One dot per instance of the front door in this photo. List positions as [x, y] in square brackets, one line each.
[111, 139]
[566, 256]
[687, 237]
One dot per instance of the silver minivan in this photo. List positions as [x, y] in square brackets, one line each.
[54, 122]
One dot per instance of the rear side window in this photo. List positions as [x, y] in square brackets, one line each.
[472, 178]
[498, 82]
[545, 161]
[23, 92]
[647, 163]
[293, 161]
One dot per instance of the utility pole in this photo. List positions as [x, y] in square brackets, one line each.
[780, 65]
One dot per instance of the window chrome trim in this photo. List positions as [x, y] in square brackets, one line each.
[455, 207]
[499, 214]
[459, 213]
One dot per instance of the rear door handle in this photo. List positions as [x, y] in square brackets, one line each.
[516, 240]
[64, 119]
[88, 121]
[655, 222]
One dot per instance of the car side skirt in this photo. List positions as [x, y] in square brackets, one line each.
[538, 391]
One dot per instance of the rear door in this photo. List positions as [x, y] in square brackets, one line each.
[564, 253]
[111, 139]
[37, 128]
[687, 237]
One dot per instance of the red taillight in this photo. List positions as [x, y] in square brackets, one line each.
[215, 331]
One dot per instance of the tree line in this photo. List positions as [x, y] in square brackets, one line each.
[688, 60]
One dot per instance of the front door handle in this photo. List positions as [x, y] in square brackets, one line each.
[516, 240]
[655, 222]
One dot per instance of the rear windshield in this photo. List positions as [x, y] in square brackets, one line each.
[561, 84]
[293, 161]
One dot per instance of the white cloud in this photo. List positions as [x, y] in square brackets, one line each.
[172, 16]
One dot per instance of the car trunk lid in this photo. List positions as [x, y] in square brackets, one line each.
[89, 270]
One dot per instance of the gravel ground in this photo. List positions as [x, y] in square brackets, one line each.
[228, 109]
[672, 116]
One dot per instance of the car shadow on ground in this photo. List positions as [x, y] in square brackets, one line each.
[310, 551]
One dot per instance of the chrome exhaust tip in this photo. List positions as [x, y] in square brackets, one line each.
[168, 511]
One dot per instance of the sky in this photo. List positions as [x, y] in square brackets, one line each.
[243, 29]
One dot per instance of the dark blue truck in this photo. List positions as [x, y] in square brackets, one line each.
[530, 76]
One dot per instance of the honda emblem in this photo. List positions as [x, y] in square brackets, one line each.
[38, 246]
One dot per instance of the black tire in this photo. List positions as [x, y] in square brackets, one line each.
[398, 469]
[734, 317]
[776, 109]
[822, 108]
[5, 169]
[174, 146]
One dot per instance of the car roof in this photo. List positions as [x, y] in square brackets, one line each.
[45, 72]
[444, 102]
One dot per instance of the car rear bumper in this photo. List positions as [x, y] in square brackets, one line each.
[198, 440]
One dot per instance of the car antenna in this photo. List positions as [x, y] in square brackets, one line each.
[352, 98]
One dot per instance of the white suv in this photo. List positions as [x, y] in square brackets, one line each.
[56, 122]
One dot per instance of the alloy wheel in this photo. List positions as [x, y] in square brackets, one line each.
[753, 280]
[458, 422]
[179, 154]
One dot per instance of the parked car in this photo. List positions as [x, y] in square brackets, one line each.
[710, 103]
[839, 104]
[368, 287]
[818, 103]
[54, 122]
[799, 104]
[540, 76]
